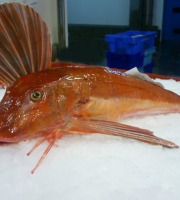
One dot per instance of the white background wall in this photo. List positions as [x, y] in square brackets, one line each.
[103, 12]
[48, 10]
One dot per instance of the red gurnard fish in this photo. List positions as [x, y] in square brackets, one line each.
[45, 102]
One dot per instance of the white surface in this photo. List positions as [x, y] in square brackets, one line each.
[97, 167]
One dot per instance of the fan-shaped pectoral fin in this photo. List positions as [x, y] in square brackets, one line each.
[25, 44]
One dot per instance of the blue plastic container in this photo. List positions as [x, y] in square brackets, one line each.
[124, 61]
[130, 42]
[148, 56]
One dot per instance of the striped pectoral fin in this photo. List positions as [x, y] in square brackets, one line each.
[25, 43]
[117, 129]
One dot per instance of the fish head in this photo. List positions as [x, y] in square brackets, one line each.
[34, 105]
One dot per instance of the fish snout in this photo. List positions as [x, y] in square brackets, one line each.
[8, 130]
[8, 135]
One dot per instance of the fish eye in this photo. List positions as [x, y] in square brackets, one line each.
[36, 95]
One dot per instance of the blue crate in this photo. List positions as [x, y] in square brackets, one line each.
[130, 42]
[124, 61]
[148, 55]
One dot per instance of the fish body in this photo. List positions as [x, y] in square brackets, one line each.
[90, 92]
[46, 102]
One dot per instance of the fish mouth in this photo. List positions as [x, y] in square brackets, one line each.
[7, 138]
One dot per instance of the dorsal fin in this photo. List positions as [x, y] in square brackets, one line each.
[25, 45]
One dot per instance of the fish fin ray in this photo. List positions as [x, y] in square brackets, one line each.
[118, 129]
[25, 45]
[51, 138]
[44, 154]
